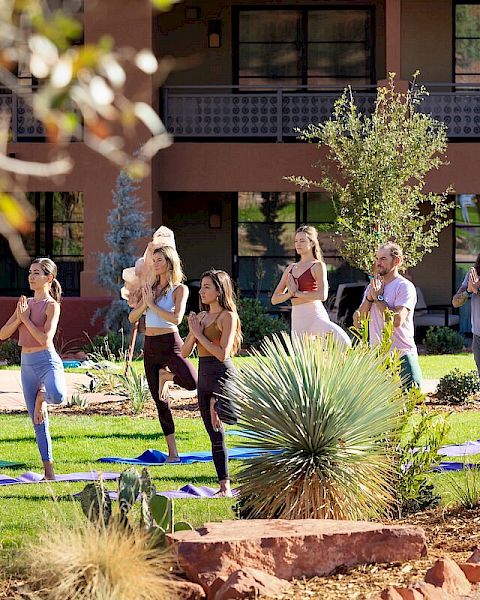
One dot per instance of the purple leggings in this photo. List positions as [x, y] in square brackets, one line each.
[162, 351]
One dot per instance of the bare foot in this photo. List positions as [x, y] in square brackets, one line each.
[48, 469]
[173, 459]
[225, 490]
[164, 384]
[40, 413]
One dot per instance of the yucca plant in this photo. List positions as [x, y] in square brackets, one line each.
[464, 487]
[326, 413]
[135, 386]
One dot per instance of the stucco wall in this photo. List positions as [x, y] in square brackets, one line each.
[426, 38]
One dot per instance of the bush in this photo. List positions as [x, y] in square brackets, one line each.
[256, 322]
[443, 340]
[456, 387]
[10, 352]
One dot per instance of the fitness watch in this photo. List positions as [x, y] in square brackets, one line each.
[381, 298]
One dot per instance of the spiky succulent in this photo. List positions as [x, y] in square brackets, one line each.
[327, 413]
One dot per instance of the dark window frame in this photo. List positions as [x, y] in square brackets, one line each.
[455, 38]
[303, 9]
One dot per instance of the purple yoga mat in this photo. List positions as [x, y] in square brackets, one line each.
[464, 449]
[30, 477]
[187, 491]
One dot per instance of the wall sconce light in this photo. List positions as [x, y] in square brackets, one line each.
[214, 33]
[215, 214]
[192, 13]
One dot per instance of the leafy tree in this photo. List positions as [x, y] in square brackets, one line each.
[376, 174]
[127, 224]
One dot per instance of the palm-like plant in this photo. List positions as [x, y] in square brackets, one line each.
[327, 413]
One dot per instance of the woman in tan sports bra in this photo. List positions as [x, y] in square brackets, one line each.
[217, 334]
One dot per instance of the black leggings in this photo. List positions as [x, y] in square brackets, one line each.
[162, 351]
[211, 375]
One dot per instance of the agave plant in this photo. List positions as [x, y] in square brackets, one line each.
[326, 414]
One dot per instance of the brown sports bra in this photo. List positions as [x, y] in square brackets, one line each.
[212, 333]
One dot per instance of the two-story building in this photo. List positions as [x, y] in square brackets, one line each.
[246, 74]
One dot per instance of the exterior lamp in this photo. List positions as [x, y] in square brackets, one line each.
[215, 214]
[215, 33]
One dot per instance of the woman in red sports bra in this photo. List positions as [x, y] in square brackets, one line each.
[305, 284]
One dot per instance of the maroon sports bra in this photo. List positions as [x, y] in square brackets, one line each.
[306, 282]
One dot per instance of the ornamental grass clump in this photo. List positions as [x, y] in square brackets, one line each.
[88, 562]
[325, 414]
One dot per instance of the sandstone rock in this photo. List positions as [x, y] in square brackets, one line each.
[431, 592]
[249, 583]
[292, 548]
[471, 571]
[409, 593]
[184, 590]
[390, 594]
[446, 574]
[475, 557]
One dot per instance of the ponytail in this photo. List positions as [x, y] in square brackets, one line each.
[56, 290]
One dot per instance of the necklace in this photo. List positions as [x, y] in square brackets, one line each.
[40, 300]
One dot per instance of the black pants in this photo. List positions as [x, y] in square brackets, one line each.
[162, 351]
[211, 375]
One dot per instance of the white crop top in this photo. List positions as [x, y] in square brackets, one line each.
[167, 303]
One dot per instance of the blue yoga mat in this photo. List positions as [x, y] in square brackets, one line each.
[455, 466]
[152, 458]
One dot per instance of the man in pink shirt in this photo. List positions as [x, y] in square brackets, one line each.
[388, 289]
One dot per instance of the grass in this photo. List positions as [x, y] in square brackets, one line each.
[433, 366]
[78, 441]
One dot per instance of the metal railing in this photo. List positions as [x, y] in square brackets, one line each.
[251, 112]
[236, 112]
[457, 105]
[24, 125]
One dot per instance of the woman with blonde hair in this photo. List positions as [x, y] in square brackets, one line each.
[164, 305]
[305, 284]
[217, 334]
[43, 378]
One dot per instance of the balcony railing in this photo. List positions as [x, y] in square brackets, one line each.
[235, 112]
[457, 105]
[253, 112]
[24, 125]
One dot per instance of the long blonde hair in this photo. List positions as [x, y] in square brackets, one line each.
[312, 236]
[226, 298]
[50, 268]
[175, 273]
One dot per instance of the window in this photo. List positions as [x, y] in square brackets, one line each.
[304, 46]
[467, 43]
[265, 230]
[58, 234]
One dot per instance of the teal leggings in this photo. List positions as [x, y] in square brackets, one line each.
[410, 371]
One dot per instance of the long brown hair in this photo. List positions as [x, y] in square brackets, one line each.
[226, 298]
[174, 268]
[477, 264]
[312, 236]
[50, 268]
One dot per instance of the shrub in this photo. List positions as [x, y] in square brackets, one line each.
[414, 449]
[456, 387]
[324, 412]
[10, 352]
[134, 385]
[443, 340]
[256, 322]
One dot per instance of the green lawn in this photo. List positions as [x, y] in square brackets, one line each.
[78, 441]
[433, 366]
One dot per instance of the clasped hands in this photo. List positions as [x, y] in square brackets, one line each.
[292, 286]
[375, 288]
[148, 297]
[23, 310]
[473, 281]
[194, 325]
